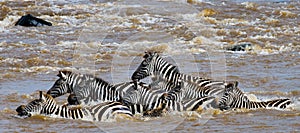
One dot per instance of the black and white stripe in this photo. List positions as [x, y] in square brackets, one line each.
[195, 87]
[88, 89]
[154, 99]
[47, 106]
[234, 98]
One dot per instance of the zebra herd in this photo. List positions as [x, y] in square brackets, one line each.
[94, 99]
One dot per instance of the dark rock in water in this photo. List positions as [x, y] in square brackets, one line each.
[29, 20]
[240, 47]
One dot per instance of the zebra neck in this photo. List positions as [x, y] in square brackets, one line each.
[170, 77]
[166, 70]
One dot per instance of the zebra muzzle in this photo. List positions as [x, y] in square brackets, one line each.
[22, 112]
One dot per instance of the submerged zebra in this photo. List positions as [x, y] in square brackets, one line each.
[194, 87]
[46, 105]
[234, 98]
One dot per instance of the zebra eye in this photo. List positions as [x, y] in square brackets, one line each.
[226, 94]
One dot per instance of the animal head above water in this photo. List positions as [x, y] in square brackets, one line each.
[35, 106]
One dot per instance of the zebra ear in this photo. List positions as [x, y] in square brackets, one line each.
[231, 85]
[146, 55]
[62, 74]
[41, 95]
[236, 83]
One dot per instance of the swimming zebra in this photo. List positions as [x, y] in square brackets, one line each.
[46, 105]
[154, 99]
[89, 90]
[234, 98]
[159, 82]
[195, 87]
[83, 85]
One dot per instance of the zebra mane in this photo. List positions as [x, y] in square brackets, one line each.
[46, 96]
[87, 77]
[149, 54]
[63, 73]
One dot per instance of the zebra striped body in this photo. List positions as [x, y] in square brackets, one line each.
[171, 101]
[145, 96]
[159, 82]
[88, 89]
[234, 98]
[194, 87]
[203, 88]
[47, 106]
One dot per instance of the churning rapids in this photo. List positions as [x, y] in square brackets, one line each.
[108, 38]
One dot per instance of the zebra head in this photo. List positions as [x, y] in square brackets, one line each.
[73, 100]
[36, 106]
[230, 95]
[61, 86]
[146, 68]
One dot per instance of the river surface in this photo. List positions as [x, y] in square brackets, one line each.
[107, 38]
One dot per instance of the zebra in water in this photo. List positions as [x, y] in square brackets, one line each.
[234, 98]
[46, 105]
[160, 99]
[87, 88]
[194, 87]
[90, 90]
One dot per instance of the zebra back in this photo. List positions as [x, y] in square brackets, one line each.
[203, 88]
[108, 111]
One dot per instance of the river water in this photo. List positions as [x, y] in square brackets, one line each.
[107, 38]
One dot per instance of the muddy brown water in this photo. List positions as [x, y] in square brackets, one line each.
[108, 38]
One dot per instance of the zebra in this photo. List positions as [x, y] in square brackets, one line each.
[195, 87]
[155, 99]
[159, 82]
[234, 98]
[89, 90]
[47, 106]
